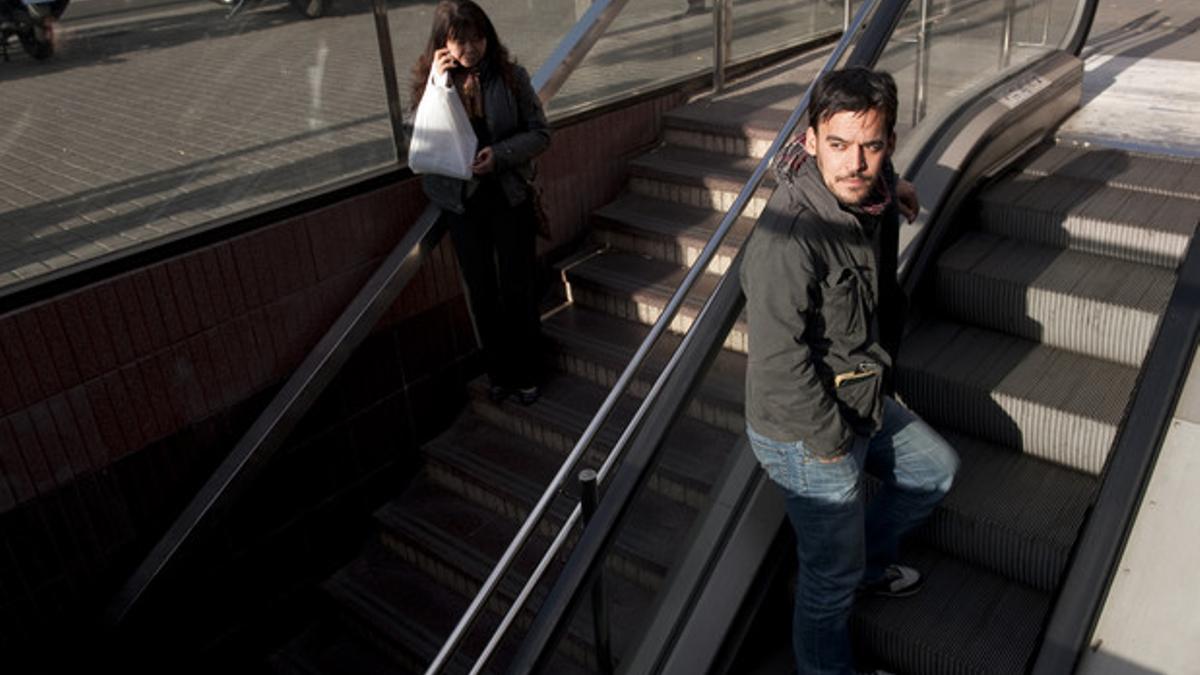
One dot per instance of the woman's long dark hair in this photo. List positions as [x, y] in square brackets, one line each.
[461, 19]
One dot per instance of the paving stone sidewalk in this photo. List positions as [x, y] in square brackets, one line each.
[156, 117]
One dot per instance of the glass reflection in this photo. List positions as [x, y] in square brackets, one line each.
[154, 117]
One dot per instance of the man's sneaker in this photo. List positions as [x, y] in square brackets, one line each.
[898, 581]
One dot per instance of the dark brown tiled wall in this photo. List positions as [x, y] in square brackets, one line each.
[107, 370]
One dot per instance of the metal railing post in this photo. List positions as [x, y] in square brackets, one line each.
[589, 498]
[722, 40]
[384, 36]
[846, 16]
[574, 46]
[921, 80]
[1049, 4]
[1010, 10]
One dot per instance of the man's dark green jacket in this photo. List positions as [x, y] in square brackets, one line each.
[811, 276]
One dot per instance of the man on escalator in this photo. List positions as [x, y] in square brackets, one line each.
[825, 312]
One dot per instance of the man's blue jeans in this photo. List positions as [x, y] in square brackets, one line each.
[840, 541]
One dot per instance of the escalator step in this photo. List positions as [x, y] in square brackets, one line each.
[1094, 305]
[1047, 402]
[1010, 513]
[1160, 175]
[964, 620]
[1090, 217]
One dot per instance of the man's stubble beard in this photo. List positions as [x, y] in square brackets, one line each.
[832, 186]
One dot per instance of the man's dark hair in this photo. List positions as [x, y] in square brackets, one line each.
[856, 90]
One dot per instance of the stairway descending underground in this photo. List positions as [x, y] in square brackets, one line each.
[1023, 349]
[390, 609]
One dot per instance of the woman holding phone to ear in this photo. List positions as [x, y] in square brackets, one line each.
[491, 216]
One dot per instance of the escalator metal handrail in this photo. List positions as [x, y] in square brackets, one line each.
[698, 347]
[268, 432]
[1081, 26]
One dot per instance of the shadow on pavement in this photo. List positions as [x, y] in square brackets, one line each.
[157, 199]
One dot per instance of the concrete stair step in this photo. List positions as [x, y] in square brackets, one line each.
[398, 609]
[1050, 403]
[964, 620]
[451, 537]
[1090, 304]
[637, 288]
[1158, 175]
[726, 127]
[504, 476]
[407, 613]
[598, 347]
[1087, 216]
[697, 178]
[1012, 514]
[694, 454]
[329, 648]
[667, 231]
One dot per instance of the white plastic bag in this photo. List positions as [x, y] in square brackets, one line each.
[443, 141]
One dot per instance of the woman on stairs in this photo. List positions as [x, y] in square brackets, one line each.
[491, 217]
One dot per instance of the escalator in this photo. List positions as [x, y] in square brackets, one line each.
[1039, 283]
[1033, 328]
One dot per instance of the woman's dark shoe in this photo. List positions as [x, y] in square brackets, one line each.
[497, 393]
[528, 395]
